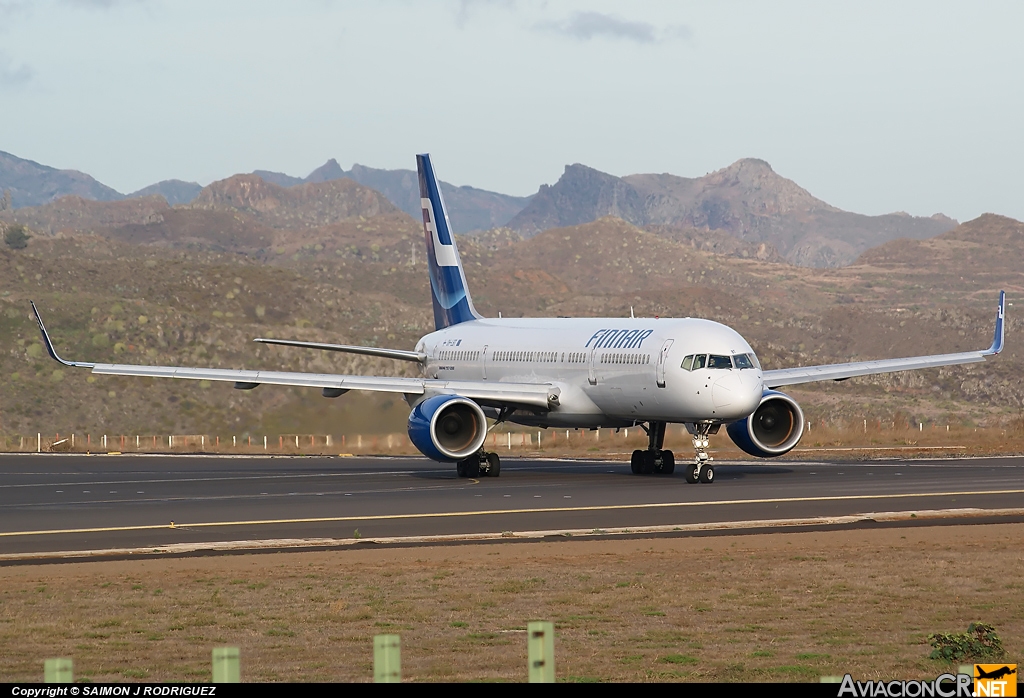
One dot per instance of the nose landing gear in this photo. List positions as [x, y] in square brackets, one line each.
[701, 470]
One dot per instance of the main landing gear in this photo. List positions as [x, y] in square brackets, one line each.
[479, 464]
[655, 460]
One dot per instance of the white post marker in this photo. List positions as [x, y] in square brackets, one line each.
[39, 442]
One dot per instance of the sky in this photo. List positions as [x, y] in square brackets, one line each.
[872, 106]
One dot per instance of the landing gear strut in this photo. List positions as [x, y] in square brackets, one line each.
[479, 464]
[655, 459]
[701, 470]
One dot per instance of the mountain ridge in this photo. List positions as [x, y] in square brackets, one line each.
[32, 184]
[747, 199]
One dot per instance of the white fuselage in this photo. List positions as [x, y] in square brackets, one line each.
[609, 372]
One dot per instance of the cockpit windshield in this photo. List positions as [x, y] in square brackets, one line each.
[715, 361]
[693, 362]
[742, 361]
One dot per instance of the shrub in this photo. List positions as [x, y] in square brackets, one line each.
[979, 642]
[15, 237]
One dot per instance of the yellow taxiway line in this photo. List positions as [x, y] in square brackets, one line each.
[496, 512]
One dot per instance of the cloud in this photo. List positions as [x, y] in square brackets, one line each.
[12, 75]
[585, 26]
[9, 9]
[101, 4]
[470, 7]
[90, 3]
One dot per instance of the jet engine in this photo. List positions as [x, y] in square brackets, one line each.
[774, 428]
[447, 428]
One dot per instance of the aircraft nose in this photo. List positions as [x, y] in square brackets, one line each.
[736, 391]
[726, 389]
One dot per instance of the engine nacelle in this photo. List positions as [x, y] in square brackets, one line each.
[774, 428]
[447, 428]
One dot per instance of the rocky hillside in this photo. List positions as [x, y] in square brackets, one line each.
[302, 206]
[113, 299]
[747, 200]
[73, 213]
[469, 208]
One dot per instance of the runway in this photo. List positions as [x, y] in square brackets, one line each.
[51, 503]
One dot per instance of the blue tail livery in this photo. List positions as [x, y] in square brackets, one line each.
[449, 291]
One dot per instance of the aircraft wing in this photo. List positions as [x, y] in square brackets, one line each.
[838, 372]
[492, 394]
[398, 354]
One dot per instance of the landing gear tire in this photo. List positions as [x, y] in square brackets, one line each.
[636, 462]
[493, 465]
[693, 474]
[707, 474]
[668, 463]
[468, 467]
[648, 463]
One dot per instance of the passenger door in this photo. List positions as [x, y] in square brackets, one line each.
[662, 358]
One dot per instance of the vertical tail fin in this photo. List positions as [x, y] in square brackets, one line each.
[450, 293]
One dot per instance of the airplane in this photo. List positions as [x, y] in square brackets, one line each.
[584, 373]
[995, 674]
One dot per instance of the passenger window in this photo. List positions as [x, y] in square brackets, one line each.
[719, 361]
[743, 361]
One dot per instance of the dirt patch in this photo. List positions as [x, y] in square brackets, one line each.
[785, 606]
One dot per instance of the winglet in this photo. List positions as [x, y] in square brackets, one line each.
[997, 341]
[49, 344]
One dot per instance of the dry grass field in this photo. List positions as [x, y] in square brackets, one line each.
[775, 607]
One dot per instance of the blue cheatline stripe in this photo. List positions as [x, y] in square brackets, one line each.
[449, 292]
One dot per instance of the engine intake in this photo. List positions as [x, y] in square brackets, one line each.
[447, 428]
[773, 429]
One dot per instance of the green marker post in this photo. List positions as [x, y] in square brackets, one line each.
[387, 659]
[226, 665]
[540, 651]
[58, 670]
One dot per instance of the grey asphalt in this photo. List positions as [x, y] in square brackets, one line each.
[259, 498]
